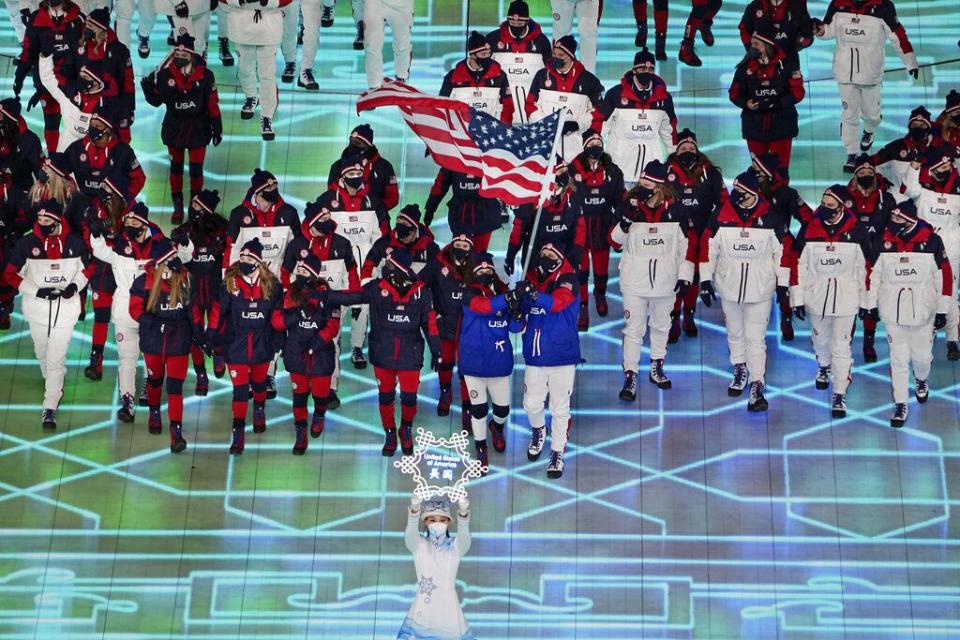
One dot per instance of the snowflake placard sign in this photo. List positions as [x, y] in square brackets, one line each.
[434, 465]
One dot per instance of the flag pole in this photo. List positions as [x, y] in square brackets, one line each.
[544, 190]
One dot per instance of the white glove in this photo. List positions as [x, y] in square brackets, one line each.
[463, 506]
[415, 504]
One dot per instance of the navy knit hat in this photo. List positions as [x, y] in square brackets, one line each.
[117, 182]
[100, 17]
[906, 209]
[920, 114]
[840, 193]
[643, 57]
[140, 212]
[253, 248]
[518, 8]
[687, 136]
[768, 164]
[655, 171]
[476, 42]
[59, 163]
[350, 162]
[364, 132]
[162, 250]
[260, 180]
[186, 42]
[312, 263]
[50, 208]
[412, 213]
[749, 182]
[401, 260]
[953, 101]
[568, 45]
[207, 200]
[10, 108]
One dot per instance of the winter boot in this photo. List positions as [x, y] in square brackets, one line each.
[786, 327]
[300, 445]
[226, 58]
[307, 81]
[482, 457]
[177, 217]
[154, 421]
[689, 326]
[600, 298]
[555, 468]
[496, 435]
[49, 420]
[259, 418]
[674, 334]
[628, 393]
[535, 448]
[94, 370]
[236, 443]
[465, 424]
[838, 408]
[657, 376]
[203, 382]
[326, 17]
[688, 55]
[739, 380]
[177, 443]
[583, 322]
[358, 359]
[756, 402]
[822, 381]
[851, 163]
[660, 46]
[127, 409]
[922, 391]
[866, 141]
[869, 350]
[641, 40]
[271, 388]
[406, 439]
[317, 424]
[389, 442]
[358, 40]
[248, 108]
[143, 46]
[219, 366]
[266, 129]
[289, 71]
[899, 417]
[446, 398]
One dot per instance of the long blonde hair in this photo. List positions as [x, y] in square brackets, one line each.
[179, 287]
[55, 188]
[267, 280]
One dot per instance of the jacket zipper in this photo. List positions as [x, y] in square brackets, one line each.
[396, 348]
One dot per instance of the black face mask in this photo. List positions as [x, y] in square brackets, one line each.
[325, 226]
[594, 152]
[84, 85]
[643, 194]
[643, 77]
[460, 255]
[355, 182]
[826, 214]
[737, 198]
[486, 279]
[94, 133]
[400, 280]
[132, 232]
[174, 264]
[557, 63]
[754, 54]
[270, 196]
[517, 32]
[687, 158]
[305, 282]
[898, 229]
[865, 182]
[181, 62]
[547, 265]
[88, 33]
[918, 134]
[483, 63]
[47, 229]
[405, 232]
[246, 268]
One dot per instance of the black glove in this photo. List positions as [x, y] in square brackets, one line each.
[428, 216]
[939, 321]
[69, 291]
[355, 313]
[97, 227]
[25, 16]
[216, 139]
[681, 286]
[800, 311]
[625, 224]
[18, 84]
[707, 294]
[47, 293]
[528, 292]
[34, 100]
[181, 236]
[783, 294]
[915, 73]
[435, 361]
[513, 298]
[509, 261]
[181, 9]
[570, 126]
[874, 313]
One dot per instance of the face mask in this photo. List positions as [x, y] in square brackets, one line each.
[557, 63]
[325, 226]
[643, 194]
[687, 158]
[84, 85]
[737, 198]
[941, 174]
[898, 229]
[486, 280]
[865, 182]
[484, 63]
[88, 33]
[181, 62]
[399, 280]
[94, 133]
[305, 282]
[643, 77]
[517, 32]
[594, 152]
[354, 182]
[754, 54]
[918, 134]
[547, 265]
[47, 229]
[174, 264]
[246, 268]
[826, 214]
[132, 232]
[194, 215]
[561, 181]
[437, 529]
[270, 196]
[405, 231]
[460, 255]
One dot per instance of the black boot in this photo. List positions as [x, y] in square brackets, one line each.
[300, 446]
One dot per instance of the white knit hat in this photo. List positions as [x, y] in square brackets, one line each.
[434, 507]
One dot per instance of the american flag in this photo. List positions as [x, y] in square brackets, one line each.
[514, 162]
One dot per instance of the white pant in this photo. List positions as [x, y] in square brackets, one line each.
[198, 26]
[259, 62]
[358, 327]
[831, 342]
[746, 333]
[291, 27]
[859, 101]
[909, 345]
[128, 355]
[587, 17]
[311, 32]
[480, 389]
[557, 382]
[399, 13]
[355, 5]
[223, 29]
[51, 353]
[636, 311]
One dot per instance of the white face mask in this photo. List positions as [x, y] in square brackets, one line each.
[437, 529]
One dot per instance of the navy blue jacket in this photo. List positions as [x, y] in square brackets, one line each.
[311, 327]
[167, 330]
[240, 322]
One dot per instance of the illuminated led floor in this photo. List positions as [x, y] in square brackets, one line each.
[679, 516]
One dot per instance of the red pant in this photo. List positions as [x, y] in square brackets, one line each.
[779, 148]
[481, 242]
[601, 270]
[51, 121]
[304, 386]
[243, 376]
[102, 302]
[196, 169]
[448, 352]
[387, 385]
[175, 370]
